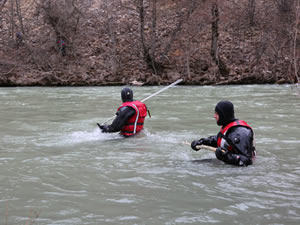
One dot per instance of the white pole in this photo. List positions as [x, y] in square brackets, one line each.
[165, 88]
[145, 99]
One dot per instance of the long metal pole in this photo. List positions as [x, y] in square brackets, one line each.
[165, 88]
[145, 99]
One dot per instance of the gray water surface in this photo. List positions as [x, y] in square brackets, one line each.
[57, 167]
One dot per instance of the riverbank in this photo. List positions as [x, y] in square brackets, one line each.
[118, 43]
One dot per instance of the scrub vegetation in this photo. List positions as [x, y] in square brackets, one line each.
[150, 42]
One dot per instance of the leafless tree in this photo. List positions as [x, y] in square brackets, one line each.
[110, 23]
[20, 16]
[148, 55]
[153, 56]
[296, 57]
[64, 17]
[2, 5]
[251, 11]
[284, 5]
[224, 71]
[14, 17]
[12, 22]
[287, 29]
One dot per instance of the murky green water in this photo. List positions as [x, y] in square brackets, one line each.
[57, 168]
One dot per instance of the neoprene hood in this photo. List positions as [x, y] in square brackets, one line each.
[127, 95]
[225, 109]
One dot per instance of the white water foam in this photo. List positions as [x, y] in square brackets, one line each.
[77, 137]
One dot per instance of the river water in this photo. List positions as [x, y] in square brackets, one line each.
[57, 167]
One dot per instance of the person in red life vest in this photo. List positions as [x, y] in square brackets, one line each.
[234, 142]
[130, 116]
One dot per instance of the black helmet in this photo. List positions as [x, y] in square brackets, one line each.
[225, 110]
[127, 95]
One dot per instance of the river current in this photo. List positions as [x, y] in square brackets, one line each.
[57, 168]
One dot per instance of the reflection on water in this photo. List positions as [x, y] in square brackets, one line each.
[55, 162]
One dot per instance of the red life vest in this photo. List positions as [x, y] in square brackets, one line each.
[135, 123]
[221, 142]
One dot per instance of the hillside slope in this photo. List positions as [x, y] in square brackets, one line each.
[102, 42]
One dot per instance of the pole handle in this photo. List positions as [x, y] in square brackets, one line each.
[206, 147]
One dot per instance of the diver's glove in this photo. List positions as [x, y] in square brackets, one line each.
[203, 141]
[195, 143]
[221, 153]
[104, 128]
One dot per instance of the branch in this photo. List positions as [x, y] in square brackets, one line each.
[192, 8]
[295, 42]
[2, 6]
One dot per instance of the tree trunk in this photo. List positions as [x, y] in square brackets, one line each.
[113, 39]
[156, 67]
[251, 11]
[223, 70]
[12, 24]
[295, 56]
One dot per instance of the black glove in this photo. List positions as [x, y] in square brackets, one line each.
[244, 161]
[221, 153]
[195, 143]
[104, 128]
[208, 141]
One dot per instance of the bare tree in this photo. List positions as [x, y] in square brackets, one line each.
[183, 16]
[251, 11]
[12, 22]
[224, 71]
[110, 26]
[284, 5]
[2, 5]
[20, 17]
[15, 19]
[63, 17]
[295, 47]
[151, 54]
[285, 28]
[148, 56]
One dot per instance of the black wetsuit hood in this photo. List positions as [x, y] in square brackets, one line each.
[225, 110]
[127, 95]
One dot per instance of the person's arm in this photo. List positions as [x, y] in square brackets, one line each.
[210, 141]
[122, 117]
[241, 139]
[233, 159]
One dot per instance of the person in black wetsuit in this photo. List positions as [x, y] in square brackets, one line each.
[234, 142]
[130, 116]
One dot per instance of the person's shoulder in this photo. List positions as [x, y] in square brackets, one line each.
[241, 130]
[126, 108]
